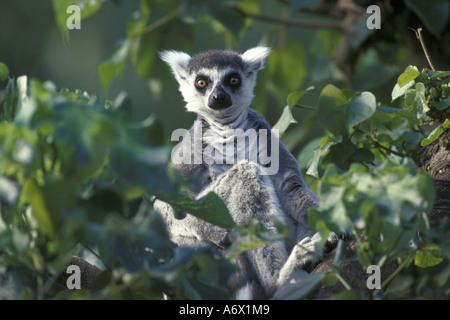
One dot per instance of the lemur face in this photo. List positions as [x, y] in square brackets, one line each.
[217, 88]
[218, 85]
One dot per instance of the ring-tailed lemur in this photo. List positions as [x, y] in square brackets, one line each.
[218, 87]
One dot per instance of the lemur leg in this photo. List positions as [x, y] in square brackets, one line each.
[300, 257]
[297, 198]
[247, 194]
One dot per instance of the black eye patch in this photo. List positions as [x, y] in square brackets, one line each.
[201, 83]
[233, 80]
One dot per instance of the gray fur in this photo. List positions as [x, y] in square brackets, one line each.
[243, 186]
[215, 59]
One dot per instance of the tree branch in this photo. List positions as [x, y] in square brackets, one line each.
[422, 43]
[293, 23]
[378, 145]
[158, 23]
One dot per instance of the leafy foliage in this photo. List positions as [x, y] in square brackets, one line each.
[427, 95]
[368, 184]
[73, 172]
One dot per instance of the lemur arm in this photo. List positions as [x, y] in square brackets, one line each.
[190, 230]
[295, 196]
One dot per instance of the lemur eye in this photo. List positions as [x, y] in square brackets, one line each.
[201, 83]
[234, 81]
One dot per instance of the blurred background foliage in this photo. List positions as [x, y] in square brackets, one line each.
[314, 43]
[101, 144]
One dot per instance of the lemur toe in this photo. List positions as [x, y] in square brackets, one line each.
[333, 239]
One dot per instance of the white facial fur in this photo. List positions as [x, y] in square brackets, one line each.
[252, 61]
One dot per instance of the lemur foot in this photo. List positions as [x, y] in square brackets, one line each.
[302, 255]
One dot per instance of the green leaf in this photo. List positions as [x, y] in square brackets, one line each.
[4, 72]
[442, 104]
[306, 155]
[210, 208]
[360, 108]
[20, 240]
[107, 71]
[433, 136]
[415, 101]
[213, 210]
[10, 100]
[114, 67]
[36, 196]
[285, 120]
[428, 256]
[398, 92]
[446, 124]
[363, 155]
[332, 213]
[342, 154]
[313, 166]
[407, 77]
[122, 106]
[248, 235]
[293, 97]
[331, 114]
[421, 197]
[146, 54]
[332, 96]
[434, 14]
[353, 294]
[299, 286]
[437, 74]
[425, 260]
[389, 109]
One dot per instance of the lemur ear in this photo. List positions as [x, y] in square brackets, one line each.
[255, 58]
[177, 61]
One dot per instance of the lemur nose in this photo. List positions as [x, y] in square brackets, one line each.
[219, 99]
[219, 96]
